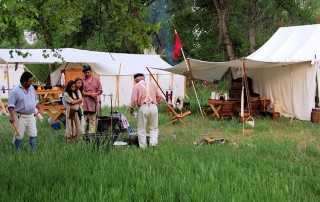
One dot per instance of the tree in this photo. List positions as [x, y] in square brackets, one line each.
[222, 7]
[119, 26]
[15, 17]
[57, 19]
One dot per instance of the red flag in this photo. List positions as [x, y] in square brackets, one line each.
[177, 47]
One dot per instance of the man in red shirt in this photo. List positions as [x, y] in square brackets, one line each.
[146, 96]
[92, 88]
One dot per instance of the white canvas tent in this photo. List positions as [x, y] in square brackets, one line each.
[283, 69]
[10, 78]
[115, 70]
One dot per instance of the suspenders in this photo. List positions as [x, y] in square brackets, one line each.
[148, 97]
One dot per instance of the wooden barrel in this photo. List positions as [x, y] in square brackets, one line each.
[315, 115]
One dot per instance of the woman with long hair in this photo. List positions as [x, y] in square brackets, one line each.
[72, 102]
[79, 87]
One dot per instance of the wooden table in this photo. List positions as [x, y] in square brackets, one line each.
[215, 106]
[54, 111]
[46, 93]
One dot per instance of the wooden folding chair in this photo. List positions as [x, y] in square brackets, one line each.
[227, 110]
[255, 102]
[178, 117]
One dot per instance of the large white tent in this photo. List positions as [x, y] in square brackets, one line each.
[115, 70]
[283, 69]
[9, 77]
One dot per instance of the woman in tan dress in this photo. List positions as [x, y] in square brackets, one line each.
[72, 102]
[79, 85]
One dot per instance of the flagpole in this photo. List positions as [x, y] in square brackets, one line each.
[191, 77]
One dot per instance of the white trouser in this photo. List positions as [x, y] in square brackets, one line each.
[148, 114]
[25, 123]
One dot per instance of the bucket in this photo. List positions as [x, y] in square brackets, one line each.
[250, 121]
[315, 115]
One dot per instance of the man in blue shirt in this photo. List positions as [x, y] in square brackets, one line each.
[21, 104]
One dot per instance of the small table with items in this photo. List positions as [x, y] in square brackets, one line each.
[223, 106]
[215, 106]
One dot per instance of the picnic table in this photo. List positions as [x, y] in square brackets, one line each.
[47, 93]
[54, 110]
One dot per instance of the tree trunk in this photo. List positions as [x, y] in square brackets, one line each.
[252, 37]
[222, 14]
[252, 30]
[222, 9]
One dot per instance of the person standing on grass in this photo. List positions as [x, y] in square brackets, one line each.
[146, 96]
[72, 102]
[21, 104]
[91, 90]
[79, 84]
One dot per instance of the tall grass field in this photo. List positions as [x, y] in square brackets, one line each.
[279, 160]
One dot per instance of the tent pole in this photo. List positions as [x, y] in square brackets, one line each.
[192, 81]
[242, 97]
[32, 74]
[247, 87]
[156, 81]
[117, 92]
[8, 79]
[317, 91]
[191, 77]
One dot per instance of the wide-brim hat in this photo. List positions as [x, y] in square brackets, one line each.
[137, 75]
[86, 68]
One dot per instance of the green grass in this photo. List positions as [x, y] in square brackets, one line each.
[278, 161]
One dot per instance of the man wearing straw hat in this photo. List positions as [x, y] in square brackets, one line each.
[146, 96]
[22, 103]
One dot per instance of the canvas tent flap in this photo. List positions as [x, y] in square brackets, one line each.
[114, 69]
[47, 56]
[281, 69]
[209, 71]
[291, 44]
[212, 71]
